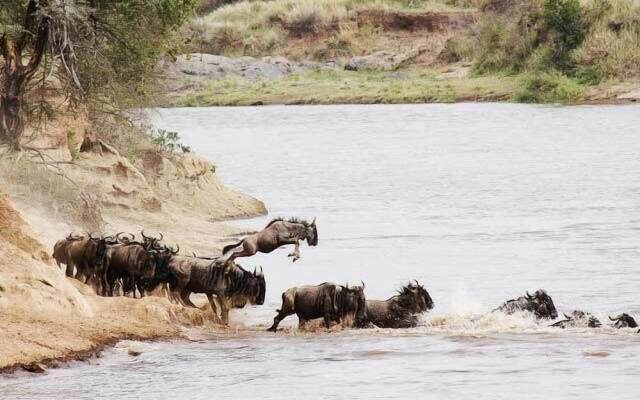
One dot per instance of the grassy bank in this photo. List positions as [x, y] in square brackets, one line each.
[539, 51]
[342, 87]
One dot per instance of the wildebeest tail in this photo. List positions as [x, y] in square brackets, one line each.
[225, 249]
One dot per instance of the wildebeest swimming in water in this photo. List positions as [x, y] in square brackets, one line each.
[234, 288]
[334, 303]
[578, 319]
[623, 320]
[400, 310]
[540, 304]
[277, 233]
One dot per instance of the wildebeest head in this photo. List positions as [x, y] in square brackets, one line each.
[541, 304]
[312, 233]
[148, 263]
[261, 284]
[247, 287]
[150, 242]
[623, 320]
[427, 302]
[98, 247]
[353, 302]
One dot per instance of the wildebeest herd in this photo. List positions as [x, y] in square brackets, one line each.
[122, 265]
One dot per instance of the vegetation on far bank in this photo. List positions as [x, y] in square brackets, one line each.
[347, 87]
[547, 50]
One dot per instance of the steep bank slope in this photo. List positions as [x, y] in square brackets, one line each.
[45, 316]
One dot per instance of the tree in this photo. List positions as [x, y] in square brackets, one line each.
[92, 47]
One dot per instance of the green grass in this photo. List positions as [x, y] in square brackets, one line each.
[548, 87]
[347, 87]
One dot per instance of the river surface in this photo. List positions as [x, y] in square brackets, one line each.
[479, 202]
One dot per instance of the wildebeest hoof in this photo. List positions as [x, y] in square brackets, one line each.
[272, 329]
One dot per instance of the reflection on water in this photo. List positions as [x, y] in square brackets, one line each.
[478, 201]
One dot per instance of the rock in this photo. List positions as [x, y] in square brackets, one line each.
[133, 352]
[198, 66]
[35, 368]
[380, 61]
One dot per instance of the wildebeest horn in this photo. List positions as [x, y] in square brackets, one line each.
[362, 284]
[566, 316]
[161, 236]
[174, 252]
[617, 317]
[529, 296]
[313, 222]
[194, 254]
[143, 236]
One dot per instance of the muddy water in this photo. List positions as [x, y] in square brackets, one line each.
[478, 201]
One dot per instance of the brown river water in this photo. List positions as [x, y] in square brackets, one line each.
[480, 202]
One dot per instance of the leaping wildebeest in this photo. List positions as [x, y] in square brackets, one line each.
[277, 233]
[234, 288]
[400, 310]
[540, 304]
[333, 303]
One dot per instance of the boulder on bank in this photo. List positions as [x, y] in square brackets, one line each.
[381, 61]
[210, 66]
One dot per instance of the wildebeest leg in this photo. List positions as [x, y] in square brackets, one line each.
[70, 269]
[301, 323]
[296, 250]
[184, 295]
[213, 304]
[244, 249]
[224, 310]
[284, 312]
[329, 312]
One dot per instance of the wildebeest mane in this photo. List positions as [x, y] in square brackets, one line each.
[293, 220]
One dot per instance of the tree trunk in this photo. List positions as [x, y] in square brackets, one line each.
[11, 121]
[17, 76]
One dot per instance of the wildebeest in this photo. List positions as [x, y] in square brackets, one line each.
[400, 310]
[623, 320]
[578, 319]
[334, 303]
[127, 262]
[540, 304]
[235, 288]
[277, 233]
[86, 255]
[60, 249]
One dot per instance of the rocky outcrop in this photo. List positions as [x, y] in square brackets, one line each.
[381, 61]
[157, 182]
[199, 66]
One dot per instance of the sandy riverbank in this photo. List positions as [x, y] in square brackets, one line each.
[47, 318]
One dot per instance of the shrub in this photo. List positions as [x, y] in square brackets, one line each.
[612, 45]
[563, 20]
[547, 87]
[168, 141]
